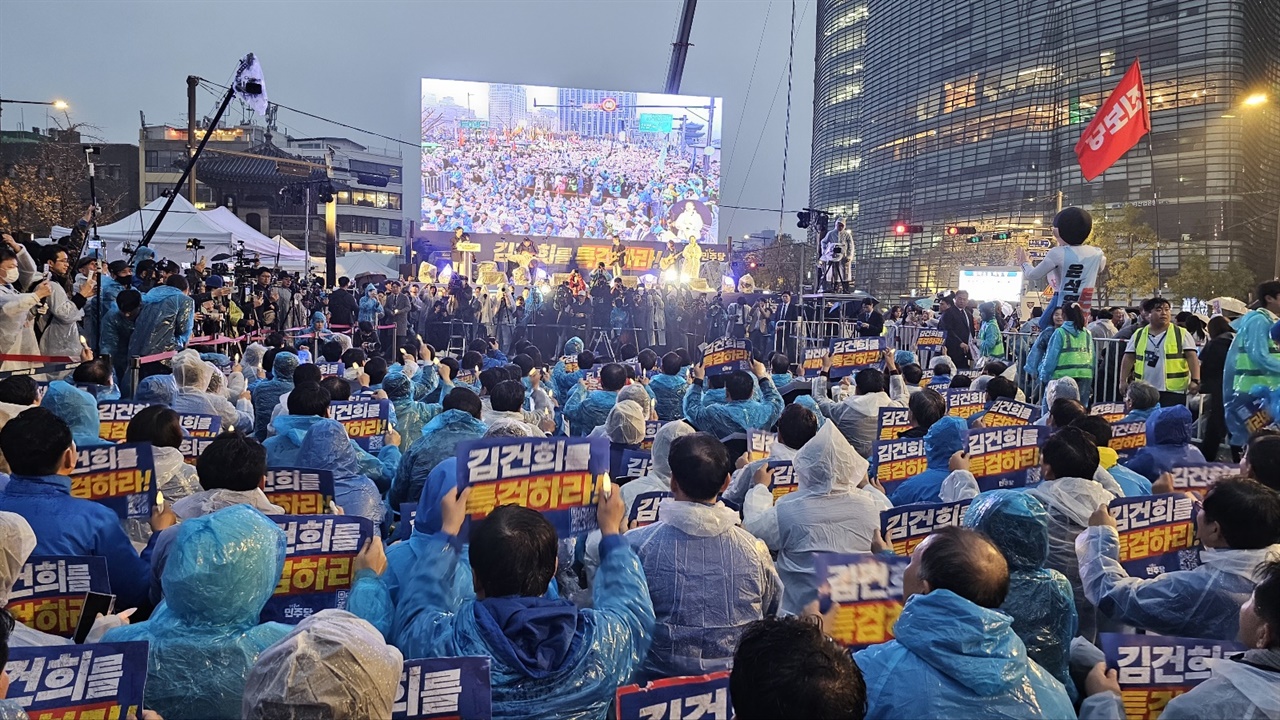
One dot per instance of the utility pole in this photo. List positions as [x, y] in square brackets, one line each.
[192, 83]
[680, 49]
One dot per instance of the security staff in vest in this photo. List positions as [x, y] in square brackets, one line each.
[1162, 354]
[1252, 371]
[1070, 352]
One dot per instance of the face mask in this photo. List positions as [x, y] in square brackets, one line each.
[11, 275]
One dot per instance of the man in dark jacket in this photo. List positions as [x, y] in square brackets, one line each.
[959, 331]
[397, 307]
[870, 321]
[343, 306]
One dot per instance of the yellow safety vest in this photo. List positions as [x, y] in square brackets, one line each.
[1247, 376]
[1075, 360]
[1177, 372]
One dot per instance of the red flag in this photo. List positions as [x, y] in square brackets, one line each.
[1120, 122]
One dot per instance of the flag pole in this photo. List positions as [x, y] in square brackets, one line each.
[1155, 189]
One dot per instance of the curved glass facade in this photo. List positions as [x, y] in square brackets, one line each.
[940, 113]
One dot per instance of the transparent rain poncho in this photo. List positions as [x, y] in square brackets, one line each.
[327, 447]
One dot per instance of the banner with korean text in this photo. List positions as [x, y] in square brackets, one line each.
[811, 361]
[784, 479]
[300, 491]
[66, 682]
[759, 444]
[892, 422]
[331, 369]
[1112, 412]
[867, 592]
[893, 461]
[651, 428]
[1127, 438]
[1006, 457]
[114, 417]
[1154, 669]
[644, 509]
[1120, 122]
[122, 477]
[725, 355]
[1157, 533]
[200, 425]
[849, 355]
[636, 463]
[319, 550]
[555, 476]
[930, 340]
[678, 698]
[366, 421]
[1197, 478]
[1003, 412]
[192, 447]
[966, 403]
[49, 592]
[440, 688]
[906, 527]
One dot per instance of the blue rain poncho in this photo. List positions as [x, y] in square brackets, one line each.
[116, 330]
[411, 416]
[1203, 602]
[157, 390]
[668, 391]
[266, 394]
[563, 382]
[333, 665]
[953, 659]
[193, 375]
[327, 447]
[439, 440]
[549, 659]
[733, 416]
[370, 307]
[78, 409]
[944, 438]
[827, 513]
[164, 323]
[812, 404]
[1039, 600]
[708, 579]
[205, 636]
[94, 313]
[283, 446]
[1168, 444]
[1253, 341]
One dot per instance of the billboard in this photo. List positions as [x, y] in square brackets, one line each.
[998, 284]
[565, 166]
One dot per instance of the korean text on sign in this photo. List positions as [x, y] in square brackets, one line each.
[102, 680]
[897, 460]
[759, 444]
[678, 698]
[192, 447]
[811, 363]
[907, 526]
[966, 403]
[1197, 478]
[570, 363]
[1112, 412]
[644, 509]
[1155, 669]
[1004, 412]
[849, 355]
[555, 476]
[1127, 437]
[892, 423]
[122, 477]
[317, 574]
[784, 479]
[930, 339]
[200, 425]
[1006, 457]
[726, 355]
[455, 687]
[300, 491]
[867, 592]
[651, 428]
[49, 592]
[636, 463]
[331, 369]
[366, 421]
[1157, 533]
[114, 417]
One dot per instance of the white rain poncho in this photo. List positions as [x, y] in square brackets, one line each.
[1241, 687]
[827, 513]
[175, 478]
[333, 665]
[193, 376]
[625, 423]
[640, 395]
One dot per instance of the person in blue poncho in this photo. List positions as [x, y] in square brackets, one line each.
[669, 388]
[411, 415]
[1168, 444]
[308, 405]
[1252, 371]
[459, 421]
[370, 306]
[327, 447]
[1140, 400]
[954, 653]
[266, 394]
[165, 321]
[548, 659]
[741, 413]
[946, 437]
[587, 409]
[193, 375]
[1039, 600]
[561, 381]
[205, 636]
[780, 367]
[78, 409]
[1130, 483]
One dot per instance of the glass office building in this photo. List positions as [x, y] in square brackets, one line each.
[938, 113]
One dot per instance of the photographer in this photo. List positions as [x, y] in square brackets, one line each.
[17, 324]
[59, 327]
[265, 313]
[343, 305]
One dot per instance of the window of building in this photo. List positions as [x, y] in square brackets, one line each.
[370, 198]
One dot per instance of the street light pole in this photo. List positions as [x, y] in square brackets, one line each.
[55, 104]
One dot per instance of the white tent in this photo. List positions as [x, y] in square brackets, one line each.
[268, 249]
[180, 224]
[355, 264]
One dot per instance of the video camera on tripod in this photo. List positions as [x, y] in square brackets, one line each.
[243, 270]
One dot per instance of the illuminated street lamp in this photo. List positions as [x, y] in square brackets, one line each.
[55, 104]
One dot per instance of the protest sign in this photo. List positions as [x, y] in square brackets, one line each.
[1198, 477]
[1006, 457]
[332, 369]
[366, 421]
[930, 340]
[317, 572]
[570, 363]
[192, 447]
[200, 425]
[1157, 533]
[556, 476]
[114, 417]
[892, 422]
[811, 362]
[759, 444]
[592, 378]
[466, 377]
[698, 696]
[101, 680]
[966, 403]
[906, 527]
[404, 528]
[784, 480]
[644, 509]
[867, 592]
[1112, 412]
[636, 463]
[49, 591]
[1154, 669]
[300, 491]
[651, 428]
[1004, 412]
[849, 355]
[439, 688]
[1127, 437]
[1253, 412]
[893, 461]
[725, 355]
[122, 477]
[939, 382]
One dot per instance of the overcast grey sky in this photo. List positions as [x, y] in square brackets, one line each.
[361, 61]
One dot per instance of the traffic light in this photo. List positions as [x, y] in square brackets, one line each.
[902, 228]
[961, 230]
[974, 239]
[1001, 236]
[802, 220]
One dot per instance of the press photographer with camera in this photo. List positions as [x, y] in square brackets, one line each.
[17, 322]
